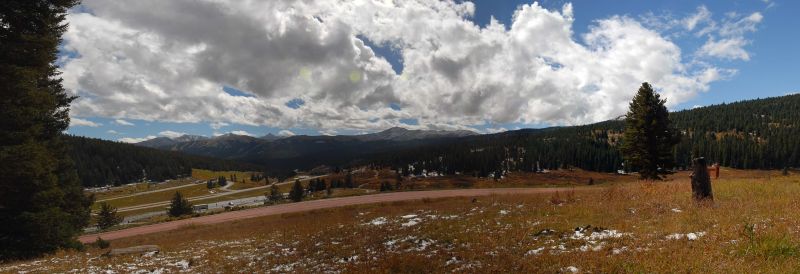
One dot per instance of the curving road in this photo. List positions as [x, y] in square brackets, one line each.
[312, 205]
[150, 191]
[226, 192]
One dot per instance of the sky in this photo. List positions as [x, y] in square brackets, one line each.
[150, 68]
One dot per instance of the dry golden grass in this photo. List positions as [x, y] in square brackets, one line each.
[161, 196]
[241, 176]
[137, 188]
[371, 179]
[118, 196]
[752, 226]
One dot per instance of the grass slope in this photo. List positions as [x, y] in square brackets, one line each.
[631, 228]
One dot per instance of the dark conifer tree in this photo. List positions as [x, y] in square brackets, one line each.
[649, 138]
[42, 206]
[328, 190]
[297, 192]
[107, 217]
[179, 206]
[348, 180]
[399, 180]
[311, 187]
[275, 194]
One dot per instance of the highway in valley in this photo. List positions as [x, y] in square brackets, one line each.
[312, 205]
[226, 192]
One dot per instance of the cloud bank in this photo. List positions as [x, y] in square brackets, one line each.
[169, 61]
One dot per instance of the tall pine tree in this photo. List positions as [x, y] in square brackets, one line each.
[42, 206]
[649, 137]
[179, 206]
[297, 192]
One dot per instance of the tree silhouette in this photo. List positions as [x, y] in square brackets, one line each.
[179, 206]
[42, 206]
[107, 217]
[297, 192]
[649, 137]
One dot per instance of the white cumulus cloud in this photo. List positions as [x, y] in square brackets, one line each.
[135, 140]
[242, 132]
[122, 122]
[78, 122]
[171, 134]
[455, 75]
[285, 133]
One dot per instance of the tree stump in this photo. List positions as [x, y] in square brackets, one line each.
[701, 183]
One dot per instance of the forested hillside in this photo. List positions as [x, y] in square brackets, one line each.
[101, 162]
[754, 134]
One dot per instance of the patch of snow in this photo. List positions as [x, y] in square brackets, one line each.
[570, 269]
[691, 236]
[675, 236]
[378, 221]
[536, 251]
[183, 264]
[409, 216]
[677, 210]
[452, 260]
[503, 212]
[411, 222]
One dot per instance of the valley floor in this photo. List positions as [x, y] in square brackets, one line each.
[631, 227]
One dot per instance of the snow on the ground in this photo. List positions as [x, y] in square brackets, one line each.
[691, 236]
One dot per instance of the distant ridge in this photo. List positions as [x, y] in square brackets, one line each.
[402, 134]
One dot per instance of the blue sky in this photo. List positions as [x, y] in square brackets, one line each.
[770, 71]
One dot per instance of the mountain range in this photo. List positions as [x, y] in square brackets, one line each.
[301, 151]
[187, 142]
[753, 134]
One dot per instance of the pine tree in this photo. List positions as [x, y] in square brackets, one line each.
[297, 193]
[179, 206]
[329, 189]
[42, 206]
[311, 187]
[222, 181]
[275, 194]
[398, 180]
[321, 185]
[348, 180]
[107, 217]
[649, 137]
[209, 184]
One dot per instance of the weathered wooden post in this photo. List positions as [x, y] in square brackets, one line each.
[716, 170]
[701, 183]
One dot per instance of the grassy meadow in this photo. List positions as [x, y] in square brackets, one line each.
[627, 227]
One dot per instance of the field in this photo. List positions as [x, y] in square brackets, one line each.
[242, 178]
[138, 188]
[141, 194]
[629, 227]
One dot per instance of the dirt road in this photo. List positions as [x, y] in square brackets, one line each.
[312, 205]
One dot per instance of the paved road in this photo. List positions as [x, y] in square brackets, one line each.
[205, 197]
[249, 201]
[311, 205]
[151, 191]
